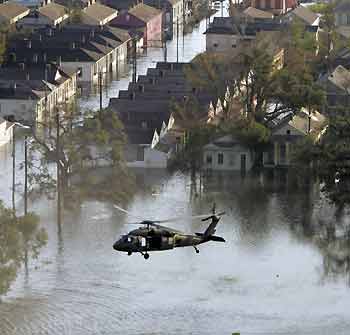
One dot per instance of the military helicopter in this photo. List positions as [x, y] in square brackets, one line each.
[154, 237]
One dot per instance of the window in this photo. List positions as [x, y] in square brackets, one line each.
[220, 158]
[209, 159]
[233, 45]
[347, 19]
[80, 71]
[144, 124]
[140, 155]
[288, 132]
[215, 45]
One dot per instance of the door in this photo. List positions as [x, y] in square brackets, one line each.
[243, 162]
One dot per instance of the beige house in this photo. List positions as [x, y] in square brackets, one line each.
[11, 12]
[286, 131]
[97, 14]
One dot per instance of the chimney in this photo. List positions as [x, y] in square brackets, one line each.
[92, 33]
[83, 39]
[46, 72]
[14, 87]
[35, 58]
[40, 38]
[44, 57]
[27, 76]
[29, 44]
[72, 45]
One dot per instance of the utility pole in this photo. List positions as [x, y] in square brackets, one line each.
[58, 168]
[177, 40]
[25, 175]
[100, 90]
[13, 167]
[134, 64]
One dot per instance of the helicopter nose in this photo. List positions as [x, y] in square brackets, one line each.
[116, 245]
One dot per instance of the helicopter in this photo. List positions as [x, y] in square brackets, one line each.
[154, 237]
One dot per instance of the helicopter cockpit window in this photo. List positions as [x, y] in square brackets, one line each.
[130, 239]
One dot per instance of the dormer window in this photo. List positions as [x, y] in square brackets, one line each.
[144, 124]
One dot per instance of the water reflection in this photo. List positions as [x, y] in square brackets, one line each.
[271, 275]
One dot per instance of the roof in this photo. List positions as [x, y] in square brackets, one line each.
[227, 141]
[343, 6]
[344, 31]
[10, 10]
[99, 12]
[144, 12]
[223, 25]
[53, 11]
[340, 77]
[257, 13]
[305, 15]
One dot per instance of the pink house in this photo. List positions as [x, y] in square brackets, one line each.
[277, 7]
[142, 18]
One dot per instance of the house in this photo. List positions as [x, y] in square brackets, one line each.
[255, 14]
[31, 93]
[121, 5]
[277, 7]
[142, 18]
[174, 14]
[97, 14]
[230, 35]
[342, 13]
[286, 131]
[227, 154]
[337, 87]
[11, 12]
[6, 131]
[304, 16]
[49, 14]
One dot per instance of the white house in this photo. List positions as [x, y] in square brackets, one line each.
[6, 129]
[227, 154]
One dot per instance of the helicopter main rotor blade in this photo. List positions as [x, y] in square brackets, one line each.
[127, 212]
[179, 218]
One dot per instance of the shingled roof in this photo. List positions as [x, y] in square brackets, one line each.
[305, 15]
[10, 10]
[53, 11]
[144, 12]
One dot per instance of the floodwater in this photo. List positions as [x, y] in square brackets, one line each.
[274, 274]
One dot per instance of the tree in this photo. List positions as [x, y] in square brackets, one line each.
[19, 238]
[78, 145]
[3, 38]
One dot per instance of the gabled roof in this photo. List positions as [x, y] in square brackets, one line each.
[340, 77]
[53, 11]
[144, 12]
[10, 10]
[343, 6]
[99, 12]
[305, 14]
[257, 13]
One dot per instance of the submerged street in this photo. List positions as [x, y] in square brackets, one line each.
[268, 278]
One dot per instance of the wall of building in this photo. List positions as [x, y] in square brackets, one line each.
[86, 70]
[154, 31]
[231, 159]
[5, 133]
[222, 43]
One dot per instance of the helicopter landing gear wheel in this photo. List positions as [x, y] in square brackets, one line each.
[195, 248]
[129, 253]
[146, 256]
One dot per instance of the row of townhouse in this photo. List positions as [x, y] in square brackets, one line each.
[88, 49]
[32, 93]
[154, 132]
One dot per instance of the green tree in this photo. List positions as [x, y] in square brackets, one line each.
[3, 38]
[83, 144]
[20, 237]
